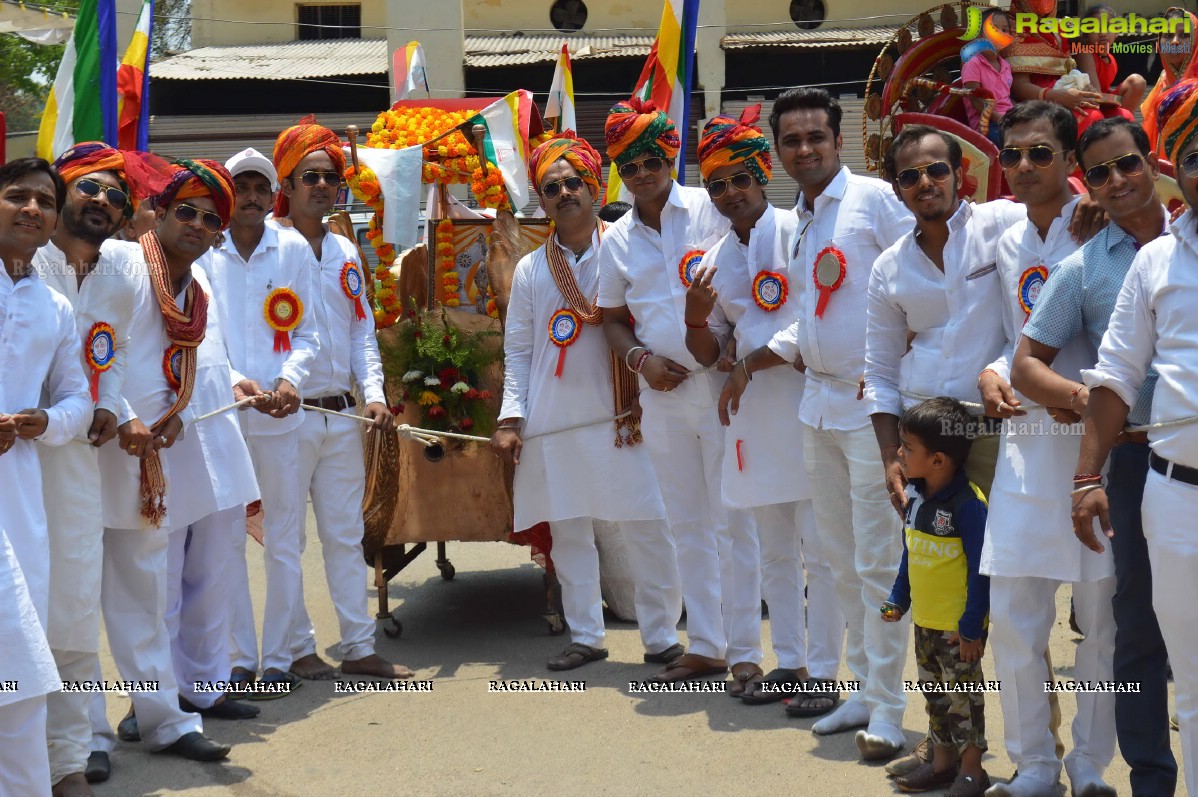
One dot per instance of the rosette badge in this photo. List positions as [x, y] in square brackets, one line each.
[687, 266]
[830, 268]
[283, 311]
[101, 349]
[172, 366]
[1030, 284]
[564, 326]
[353, 284]
[770, 290]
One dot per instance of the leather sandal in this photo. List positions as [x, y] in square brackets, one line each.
[743, 673]
[665, 656]
[575, 656]
[688, 666]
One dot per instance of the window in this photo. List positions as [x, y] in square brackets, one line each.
[807, 14]
[568, 15]
[329, 22]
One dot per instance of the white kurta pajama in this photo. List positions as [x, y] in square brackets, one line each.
[133, 595]
[760, 471]
[331, 464]
[282, 259]
[71, 480]
[639, 268]
[214, 482]
[1154, 325]
[1030, 549]
[571, 478]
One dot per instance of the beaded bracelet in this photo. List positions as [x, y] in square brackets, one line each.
[1086, 477]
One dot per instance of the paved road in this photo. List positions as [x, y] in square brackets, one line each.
[459, 739]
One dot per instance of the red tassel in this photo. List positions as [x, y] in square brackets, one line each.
[561, 361]
[94, 383]
[282, 341]
[358, 309]
[740, 460]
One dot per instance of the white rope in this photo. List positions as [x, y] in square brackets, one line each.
[223, 410]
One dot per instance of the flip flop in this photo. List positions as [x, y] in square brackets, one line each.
[743, 674]
[801, 704]
[689, 666]
[277, 678]
[777, 678]
[666, 656]
[586, 655]
[238, 683]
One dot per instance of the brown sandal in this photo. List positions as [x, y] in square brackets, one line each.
[743, 674]
[687, 666]
[926, 778]
[575, 656]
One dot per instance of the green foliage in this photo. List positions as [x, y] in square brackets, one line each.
[26, 72]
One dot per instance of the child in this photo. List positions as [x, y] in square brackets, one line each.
[987, 69]
[1100, 66]
[938, 580]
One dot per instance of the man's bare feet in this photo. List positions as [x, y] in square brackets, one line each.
[313, 668]
[73, 785]
[375, 665]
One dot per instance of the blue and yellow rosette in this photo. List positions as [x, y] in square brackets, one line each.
[1030, 284]
[353, 284]
[564, 326]
[283, 311]
[99, 352]
[172, 366]
[686, 267]
[770, 290]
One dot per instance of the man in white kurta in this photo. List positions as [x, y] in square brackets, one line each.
[40, 356]
[1032, 479]
[557, 423]
[262, 281]
[645, 265]
[744, 283]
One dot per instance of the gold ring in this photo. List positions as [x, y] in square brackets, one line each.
[131, 447]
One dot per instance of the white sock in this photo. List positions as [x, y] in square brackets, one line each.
[851, 714]
[891, 733]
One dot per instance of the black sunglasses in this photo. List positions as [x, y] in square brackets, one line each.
[1040, 155]
[115, 196]
[186, 214]
[937, 170]
[1129, 165]
[311, 177]
[1189, 164]
[551, 190]
[741, 181]
[630, 170]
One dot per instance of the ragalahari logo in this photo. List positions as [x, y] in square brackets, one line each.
[975, 27]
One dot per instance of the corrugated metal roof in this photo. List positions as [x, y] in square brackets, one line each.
[301, 59]
[485, 51]
[841, 38]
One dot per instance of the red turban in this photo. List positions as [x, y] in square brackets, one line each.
[575, 151]
[634, 128]
[200, 178]
[298, 142]
[727, 141]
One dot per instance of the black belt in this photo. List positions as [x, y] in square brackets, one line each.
[1180, 473]
[332, 402]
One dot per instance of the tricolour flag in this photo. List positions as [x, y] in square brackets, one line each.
[560, 107]
[668, 76]
[82, 102]
[408, 70]
[506, 143]
[133, 86]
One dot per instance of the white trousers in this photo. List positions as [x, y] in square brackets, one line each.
[68, 729]
[1169, 510]
[197, 614]
[134, 600]
[686, 444]
[331, 467]
[861, 538]
[1024, 610]
[24, 766]
[576, 560]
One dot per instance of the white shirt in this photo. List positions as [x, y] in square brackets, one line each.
[765, 432]
[210, 466]
[1155, 324]
[953, 313]
[639, 269]
[580, 472]
[240, 288]
[861, 217]
[348, 354]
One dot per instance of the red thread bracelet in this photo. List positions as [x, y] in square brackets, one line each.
[689, 325]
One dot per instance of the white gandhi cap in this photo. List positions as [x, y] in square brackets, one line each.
[251, 160]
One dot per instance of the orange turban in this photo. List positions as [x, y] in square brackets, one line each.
[1178, 115]
[139, 173]
[634, 128]
[201, 178]
[727, 141]
[298, 142]
[575, 151]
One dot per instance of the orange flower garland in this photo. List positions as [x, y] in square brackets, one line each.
[447, 275]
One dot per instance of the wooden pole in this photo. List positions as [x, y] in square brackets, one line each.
[480, 137]
[351, 132]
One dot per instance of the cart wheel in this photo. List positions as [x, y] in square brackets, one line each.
[556, 626]
[393, 628]
[447, 571]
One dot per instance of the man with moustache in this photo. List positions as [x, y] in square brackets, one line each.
[742, 283]
[309, 161]
[1079, 303]
[39, 355]
[1154, 327]
[559, 374]
[646, 264]
[262, 278]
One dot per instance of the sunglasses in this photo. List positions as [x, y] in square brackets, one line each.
[1040, 155]
[117, 198]
[186, 214]
[939, 171]
[741, 181]
[551, 190]
[630, 170]
[1128, 165]
[1189, 165]
[311, 177]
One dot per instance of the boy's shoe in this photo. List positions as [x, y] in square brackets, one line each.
[967, 786]
[926, 778]
[920, 754]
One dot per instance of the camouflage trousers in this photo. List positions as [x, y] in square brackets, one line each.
[956, 712]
